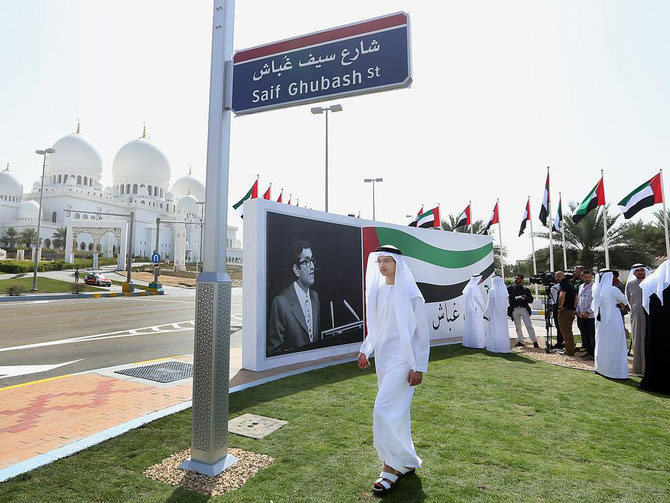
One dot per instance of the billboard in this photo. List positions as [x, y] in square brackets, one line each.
[304, 270]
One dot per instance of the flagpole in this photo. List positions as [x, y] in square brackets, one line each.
[561, 224]
[551, 226]
[502, 264]
[532, 242]
[472, 222]
[607, 251]
[665, 219]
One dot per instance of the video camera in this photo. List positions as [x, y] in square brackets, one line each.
[546, 278]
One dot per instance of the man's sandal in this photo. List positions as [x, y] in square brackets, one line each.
[387, 481]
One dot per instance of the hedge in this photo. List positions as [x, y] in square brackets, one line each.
[24, 266]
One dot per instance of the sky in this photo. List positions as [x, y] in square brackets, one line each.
[500, 91]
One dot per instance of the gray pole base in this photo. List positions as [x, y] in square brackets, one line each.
[207, 469]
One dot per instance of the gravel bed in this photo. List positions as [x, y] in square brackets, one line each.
[248, 464]
[575, 362]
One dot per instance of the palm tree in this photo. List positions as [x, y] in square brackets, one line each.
[28, 236]
[585, 243]
[58, 238]
[453, 220]
[10, 236]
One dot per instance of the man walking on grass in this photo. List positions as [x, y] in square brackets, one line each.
[398, 336]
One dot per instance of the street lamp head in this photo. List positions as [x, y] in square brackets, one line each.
[39, 152]
[379, 179]
[317, 110]
[50, 151]
[336, 108]
[367, 180]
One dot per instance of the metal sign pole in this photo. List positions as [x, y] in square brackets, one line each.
[211, 355]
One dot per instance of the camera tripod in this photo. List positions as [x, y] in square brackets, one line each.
[548, 319]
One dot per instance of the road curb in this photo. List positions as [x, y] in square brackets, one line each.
[89, 295]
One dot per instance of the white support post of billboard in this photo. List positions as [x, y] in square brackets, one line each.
[211, 355]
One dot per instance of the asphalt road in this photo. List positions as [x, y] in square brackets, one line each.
[97, 333]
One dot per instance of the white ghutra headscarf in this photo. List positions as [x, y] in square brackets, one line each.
[404, 291]
[655, 283]
[631, 274]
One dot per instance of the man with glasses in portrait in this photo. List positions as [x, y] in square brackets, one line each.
[294, 315]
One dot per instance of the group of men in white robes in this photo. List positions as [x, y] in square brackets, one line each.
[477, 333]
[610, 357]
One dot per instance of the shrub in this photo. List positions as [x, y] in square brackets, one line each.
[78, 287]
[14, 290]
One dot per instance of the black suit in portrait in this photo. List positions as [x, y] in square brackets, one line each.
[287, 328]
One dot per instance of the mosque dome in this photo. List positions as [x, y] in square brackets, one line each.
[9, 185]
[109, 190]
[29, 210]
[189, 185]
[36, 187]
[169, 196]
[74, 154]
[140, 161]
[188, 204]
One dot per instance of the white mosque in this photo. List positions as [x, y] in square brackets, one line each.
[141, 177]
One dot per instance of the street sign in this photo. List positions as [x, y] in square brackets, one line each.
[365, 57]
[155, 258]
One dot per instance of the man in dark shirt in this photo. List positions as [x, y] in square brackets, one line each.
[519, 300]
[567, 302]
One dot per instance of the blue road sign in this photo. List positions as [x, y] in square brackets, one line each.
[364, 57]
[155, 258]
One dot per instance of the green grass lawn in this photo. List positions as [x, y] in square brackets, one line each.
[488, 427]
[44, 285]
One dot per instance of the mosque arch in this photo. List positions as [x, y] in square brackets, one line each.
[54, 216]
[135, 188]
[82, 246]
[47, 243]
[127, 188]
[149, 189]
[76, 216]
[79, 180]
[60, 178]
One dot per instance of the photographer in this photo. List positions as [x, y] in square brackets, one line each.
[567, 302]
[519, 308]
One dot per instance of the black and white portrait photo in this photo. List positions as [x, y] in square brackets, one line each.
[314, 284]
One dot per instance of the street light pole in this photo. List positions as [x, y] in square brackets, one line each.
[202, 228]
[319, 110]
[44, 154]
[373, 180]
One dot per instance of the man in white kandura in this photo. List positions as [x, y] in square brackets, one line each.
[638, 316]
[398, 336]
[474, 335]
[496, 313]
[610, 355]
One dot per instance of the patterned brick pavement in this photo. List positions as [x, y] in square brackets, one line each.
[42, 416]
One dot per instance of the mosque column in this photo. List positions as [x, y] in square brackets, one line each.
[69, 256]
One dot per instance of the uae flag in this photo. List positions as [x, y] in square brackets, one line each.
[595, 198]
[281, 196]
[647, 194]
[413, 222]
[559, 217]
[492, 220]
[525, 218]
[544, 211]
[252, 194]
[463, 218]
[429, 219]
[266, 195]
